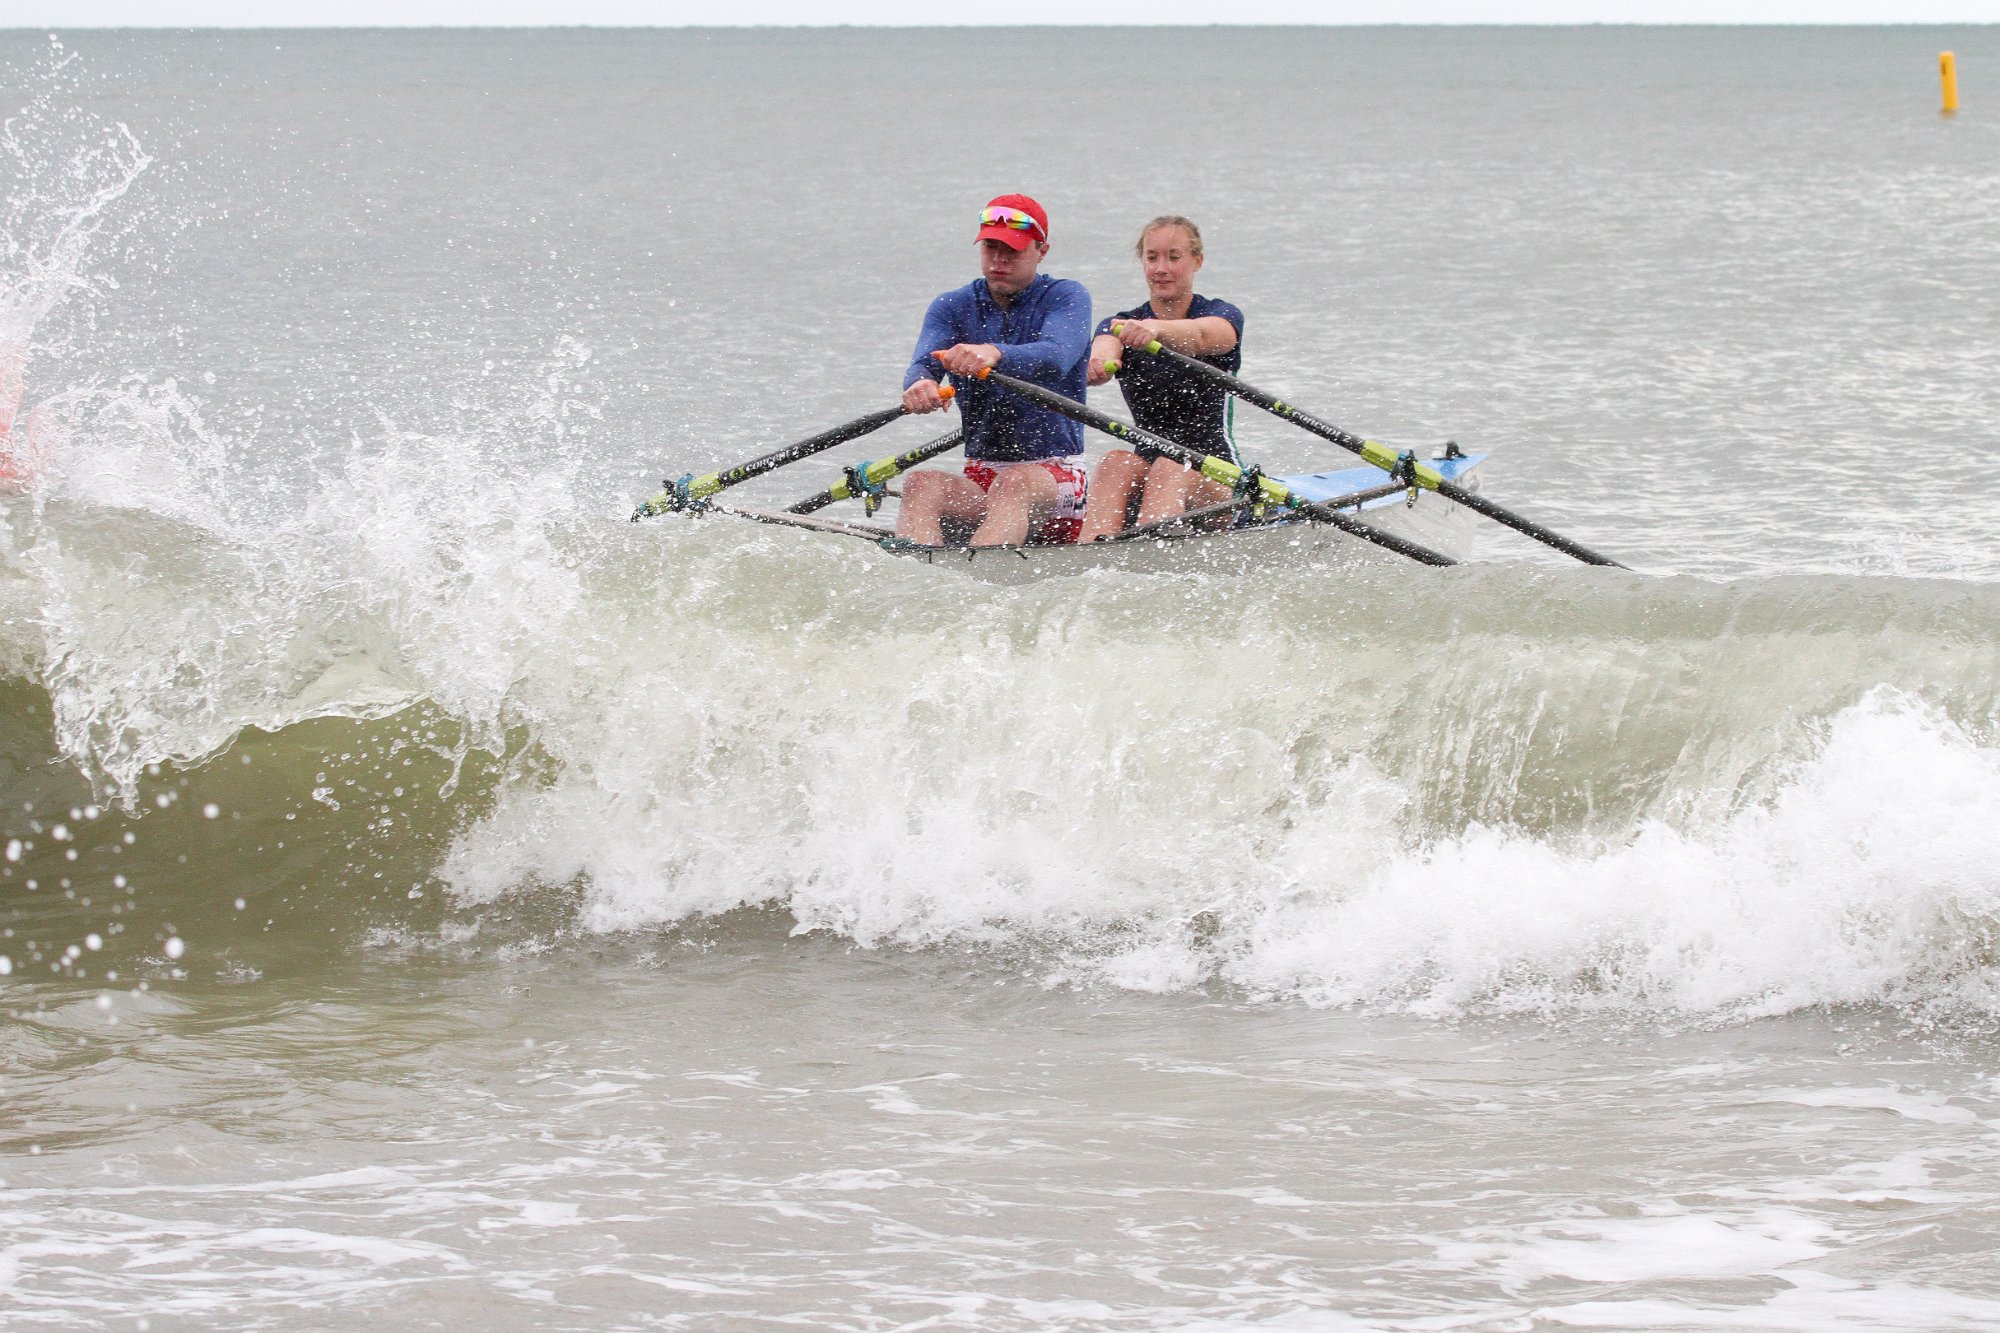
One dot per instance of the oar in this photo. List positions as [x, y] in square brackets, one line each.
[867, 479]
[1355, 498]
[688, 491]
[1216, 469]
[1182, 519]
[1389, 460]
[806, 521]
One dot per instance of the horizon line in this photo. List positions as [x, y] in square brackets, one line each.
[52, 28]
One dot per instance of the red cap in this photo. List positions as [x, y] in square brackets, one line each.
[1014, 209]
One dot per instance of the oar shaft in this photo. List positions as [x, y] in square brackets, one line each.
[880, 471]
[1355, 498]
[691, 490]
[1220, 470]
[1389, 460]
[789, 519]
[805, 448]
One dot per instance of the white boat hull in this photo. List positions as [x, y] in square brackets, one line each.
[1429, 520]
[1432, 521]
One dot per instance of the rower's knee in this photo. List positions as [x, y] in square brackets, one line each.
[1119, 463]
[925, 488]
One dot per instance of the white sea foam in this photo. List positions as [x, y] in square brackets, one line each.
[1809, 1303]
[68, 170]
[1865, 876]
[1649, 1249]
[416, 567]
[1913, 1106]
[1868, 877]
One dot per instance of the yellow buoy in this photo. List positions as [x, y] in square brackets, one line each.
[1948, 76]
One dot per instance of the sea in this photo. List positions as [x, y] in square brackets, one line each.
[430, 899]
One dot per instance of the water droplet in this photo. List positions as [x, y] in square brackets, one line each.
[175, 946]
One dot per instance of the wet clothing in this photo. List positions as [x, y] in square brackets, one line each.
[1065, 521]
[1169, 399]
[1044, 338]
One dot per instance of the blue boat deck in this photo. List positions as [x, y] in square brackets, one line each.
[1323, 486]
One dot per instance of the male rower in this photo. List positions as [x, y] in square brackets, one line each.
[1023, 477]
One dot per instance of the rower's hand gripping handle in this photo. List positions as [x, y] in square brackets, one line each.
[1113, 367]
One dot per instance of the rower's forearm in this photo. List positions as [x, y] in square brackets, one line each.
[1194, 337]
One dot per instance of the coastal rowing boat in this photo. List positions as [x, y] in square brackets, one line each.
[1281, 538]
[1343, 514]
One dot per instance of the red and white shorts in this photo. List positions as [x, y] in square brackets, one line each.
[1065, 521]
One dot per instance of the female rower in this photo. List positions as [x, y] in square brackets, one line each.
[1164, 397]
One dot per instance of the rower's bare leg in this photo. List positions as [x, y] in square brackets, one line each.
[931, 496]
[1020, 499]
[1111, 494]
[1170, 489]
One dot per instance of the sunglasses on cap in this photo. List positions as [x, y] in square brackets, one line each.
[1010, 217]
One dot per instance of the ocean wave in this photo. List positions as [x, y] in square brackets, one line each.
[1497, 789]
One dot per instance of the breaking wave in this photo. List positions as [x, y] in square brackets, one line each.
[1667, 796]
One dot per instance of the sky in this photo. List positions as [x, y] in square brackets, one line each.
[61, 14]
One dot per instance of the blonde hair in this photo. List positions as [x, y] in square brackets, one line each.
[1168, 220]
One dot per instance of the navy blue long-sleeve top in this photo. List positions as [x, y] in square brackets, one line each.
[1044, 338]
